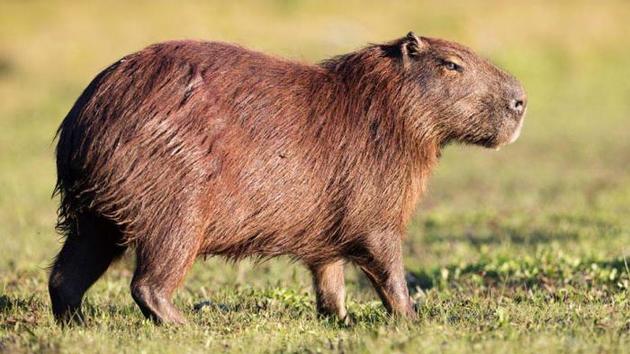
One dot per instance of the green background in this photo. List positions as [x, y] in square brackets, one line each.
[521, 250]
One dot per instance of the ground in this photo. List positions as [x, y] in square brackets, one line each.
[522, 250]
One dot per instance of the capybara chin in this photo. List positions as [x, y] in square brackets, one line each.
[204, 148]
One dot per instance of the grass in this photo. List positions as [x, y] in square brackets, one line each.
[524, 250]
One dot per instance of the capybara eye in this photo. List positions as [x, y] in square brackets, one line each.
[449, 65]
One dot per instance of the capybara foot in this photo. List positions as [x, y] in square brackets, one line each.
[156, 306]
[70, 317]
[348, 320]
[66, 306]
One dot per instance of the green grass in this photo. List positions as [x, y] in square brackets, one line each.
[524, 250]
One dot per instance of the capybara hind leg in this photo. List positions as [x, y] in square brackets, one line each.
[385, 270]
[158, 273]
[87, 252]
[329, 284]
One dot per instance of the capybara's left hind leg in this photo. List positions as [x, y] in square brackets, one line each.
[160, 269]
[90, 247]
[329, 284]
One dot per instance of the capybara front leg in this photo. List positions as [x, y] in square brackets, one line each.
[159, 271]
[385, 270]
[90, 247]
[329, 284]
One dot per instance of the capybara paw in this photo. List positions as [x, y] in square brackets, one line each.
[348, 320]
[70, 318]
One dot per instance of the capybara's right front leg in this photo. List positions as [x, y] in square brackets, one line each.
[384, 267]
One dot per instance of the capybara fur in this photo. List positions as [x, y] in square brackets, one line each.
[191, 148]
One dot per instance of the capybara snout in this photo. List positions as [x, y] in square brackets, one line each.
[191, 148]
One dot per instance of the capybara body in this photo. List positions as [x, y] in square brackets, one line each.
[202, 148]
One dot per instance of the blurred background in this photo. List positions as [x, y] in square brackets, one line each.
[571, 56]
[562, 190]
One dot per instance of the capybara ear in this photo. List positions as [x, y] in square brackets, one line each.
[414, 45]
[411, 46]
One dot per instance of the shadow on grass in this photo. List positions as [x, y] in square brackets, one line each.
[481, 230]
[16, 310]
[8, 304]
[543, 271]
[534, 237]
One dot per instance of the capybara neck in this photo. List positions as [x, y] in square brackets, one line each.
[382, 113]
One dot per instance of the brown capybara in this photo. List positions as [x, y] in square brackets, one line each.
[203, 148]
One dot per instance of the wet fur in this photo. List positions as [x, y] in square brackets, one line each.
[204, 148]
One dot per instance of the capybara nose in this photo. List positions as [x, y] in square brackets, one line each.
[518, 104]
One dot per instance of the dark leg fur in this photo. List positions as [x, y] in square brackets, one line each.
[89, 249]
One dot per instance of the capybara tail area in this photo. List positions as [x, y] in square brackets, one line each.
[133, 145]
[71, 151]
[92, 243]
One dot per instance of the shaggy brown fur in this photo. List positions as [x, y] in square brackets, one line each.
[203, 148]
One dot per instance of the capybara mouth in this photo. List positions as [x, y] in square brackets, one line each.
[511, 136]
[517, 132]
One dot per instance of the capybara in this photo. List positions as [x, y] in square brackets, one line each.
[191, 148]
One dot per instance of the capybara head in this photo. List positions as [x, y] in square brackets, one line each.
[465, 97]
